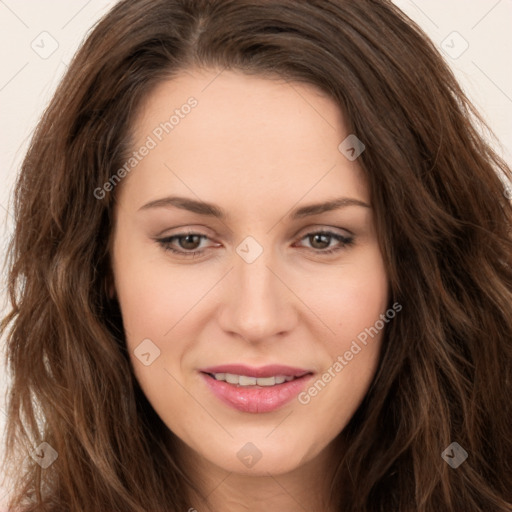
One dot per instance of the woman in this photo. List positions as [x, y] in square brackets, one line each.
[337, 337]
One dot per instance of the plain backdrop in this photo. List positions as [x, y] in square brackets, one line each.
[38, 39]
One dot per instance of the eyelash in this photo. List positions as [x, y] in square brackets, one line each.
[166, 243]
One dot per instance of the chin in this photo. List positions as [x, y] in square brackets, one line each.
[261, 457]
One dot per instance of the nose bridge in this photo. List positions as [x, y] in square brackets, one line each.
[259, 305]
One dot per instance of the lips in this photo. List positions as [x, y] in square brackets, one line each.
[255, 398]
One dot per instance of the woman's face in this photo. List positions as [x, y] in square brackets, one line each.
[263, 296]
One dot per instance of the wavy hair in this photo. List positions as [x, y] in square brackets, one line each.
[444, 224]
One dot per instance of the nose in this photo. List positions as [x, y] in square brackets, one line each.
[258, 304]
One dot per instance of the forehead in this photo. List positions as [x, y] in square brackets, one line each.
[247, 135]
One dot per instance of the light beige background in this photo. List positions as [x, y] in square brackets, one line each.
[31, 29]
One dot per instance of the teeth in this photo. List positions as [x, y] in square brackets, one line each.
[244, 380]
[231, 379]
[267, 381]
[247, 381]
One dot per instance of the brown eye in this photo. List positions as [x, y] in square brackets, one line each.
[187, 244]
[320, 242]
[191, 242]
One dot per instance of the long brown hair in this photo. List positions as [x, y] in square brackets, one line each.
[444, 223]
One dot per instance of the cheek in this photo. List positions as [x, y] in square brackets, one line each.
[155, 299]
[152, 306]
[154, 296]
[352, 299]
[159, 302]
[351, 306]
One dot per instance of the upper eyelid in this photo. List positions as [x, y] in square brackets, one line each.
[308, 231]
[305, 230]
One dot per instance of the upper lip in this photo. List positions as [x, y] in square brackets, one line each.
[262, 371]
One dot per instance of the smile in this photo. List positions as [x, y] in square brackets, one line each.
[244, 380]
[255, 390]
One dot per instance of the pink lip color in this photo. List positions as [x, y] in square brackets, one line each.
[256, 399]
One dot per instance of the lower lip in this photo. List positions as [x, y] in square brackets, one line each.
[256, 399]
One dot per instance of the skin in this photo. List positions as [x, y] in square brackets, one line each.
[258, 148]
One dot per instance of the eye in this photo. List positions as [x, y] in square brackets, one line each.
[189, 243]
[321, 240]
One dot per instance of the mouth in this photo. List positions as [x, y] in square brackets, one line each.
[255, 390]
[247, 381]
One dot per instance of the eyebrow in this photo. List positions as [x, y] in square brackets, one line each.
[210, 209]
